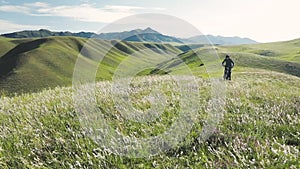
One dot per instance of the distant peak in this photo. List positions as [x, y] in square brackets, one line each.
[150, 30]
[44, 30]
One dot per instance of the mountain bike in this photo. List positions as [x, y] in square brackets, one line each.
[227, 73]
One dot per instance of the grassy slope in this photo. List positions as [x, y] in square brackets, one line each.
[50, 61]
[261, 124]
[6, 45]
[38, 63]
[288, 50]
[33, 64]
[280, 56]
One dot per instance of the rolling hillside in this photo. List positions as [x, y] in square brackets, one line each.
[43, 129]
[28, 65]
[6, 45]
[288, 50]
[33, 64]
[279, 56]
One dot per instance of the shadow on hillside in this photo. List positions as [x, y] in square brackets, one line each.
[13, 57]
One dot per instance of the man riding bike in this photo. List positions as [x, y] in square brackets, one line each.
[229, 64]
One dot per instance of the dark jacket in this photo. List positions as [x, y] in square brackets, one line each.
[227, 62]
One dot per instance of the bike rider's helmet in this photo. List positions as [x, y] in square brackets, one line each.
[227, 56]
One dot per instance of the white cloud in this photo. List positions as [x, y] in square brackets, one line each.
[85, 1]
[12, 8]
[7, 26]
[159, 9]
[119, 8]
[84, 12]
[37, 4]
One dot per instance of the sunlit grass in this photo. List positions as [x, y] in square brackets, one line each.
[260, 128]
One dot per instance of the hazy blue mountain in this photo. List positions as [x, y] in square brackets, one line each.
[136, 35]
[153, 37]
[220, 40]
[125, 34]
[139, 35]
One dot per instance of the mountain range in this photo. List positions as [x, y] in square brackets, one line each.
[136, 35]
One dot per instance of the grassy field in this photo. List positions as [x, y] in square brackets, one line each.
[260, 127]
[40, 128]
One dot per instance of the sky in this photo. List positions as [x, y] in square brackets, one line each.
[261, 20]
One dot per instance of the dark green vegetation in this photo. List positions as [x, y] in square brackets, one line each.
[108, 36]
[46, 33]
[137, 35]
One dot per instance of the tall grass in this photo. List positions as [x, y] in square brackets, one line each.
[260, 129]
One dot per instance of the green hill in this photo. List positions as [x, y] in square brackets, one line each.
[38, 63]
[280, 56]
[32, 64]
[6, 45]
[41, 129]
[28, 65]
[288, 50]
